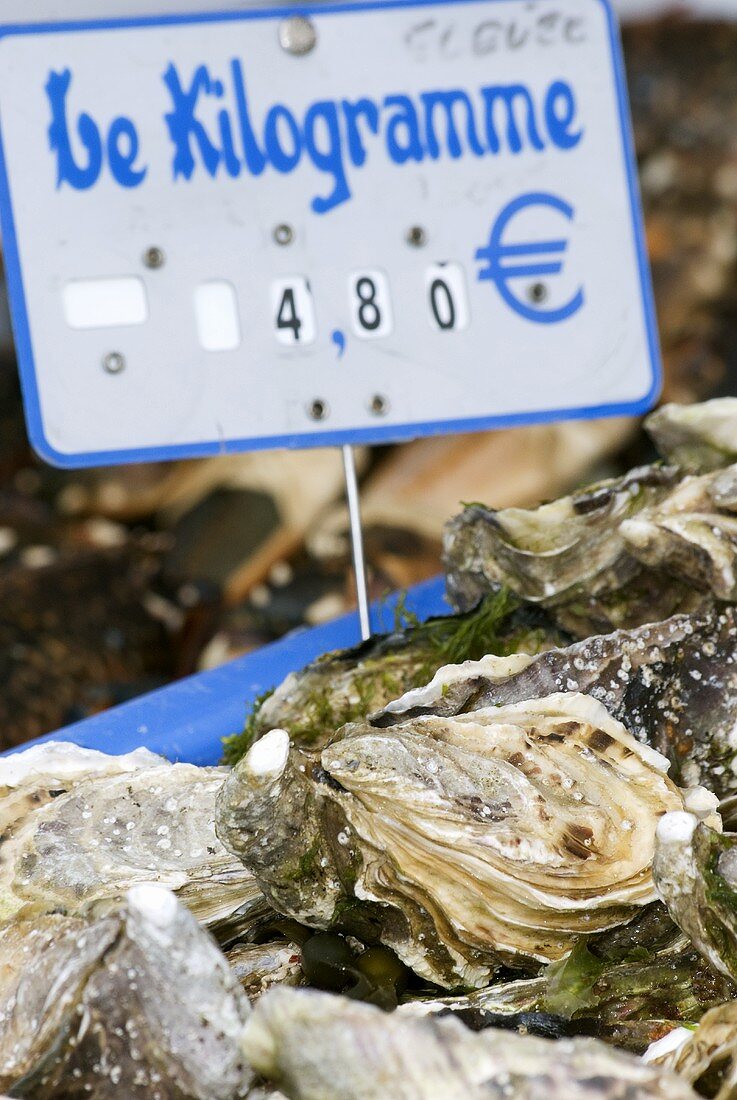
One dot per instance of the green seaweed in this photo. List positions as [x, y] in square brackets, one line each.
[236, 745]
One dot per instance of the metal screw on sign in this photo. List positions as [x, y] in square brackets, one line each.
[416, 236]
[537, 293]
[114, 362]
[283, 234]
[379, 405]
[318, 409]
[297, 35]
[154, 257]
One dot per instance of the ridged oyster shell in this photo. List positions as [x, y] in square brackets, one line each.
[137, 1003]
[78, 827]
[672, 684]
[619, 554]
[461, 843]
[708, 1053]
[321, 1047]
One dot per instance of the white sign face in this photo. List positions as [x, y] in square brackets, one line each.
[426, 221]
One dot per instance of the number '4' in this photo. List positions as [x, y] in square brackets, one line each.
[287, 315]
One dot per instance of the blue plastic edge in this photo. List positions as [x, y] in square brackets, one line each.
[388, 433]
[186, 720]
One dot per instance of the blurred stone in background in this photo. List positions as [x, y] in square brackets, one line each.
[119, 580]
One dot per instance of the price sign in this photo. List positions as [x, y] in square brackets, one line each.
[361, 222]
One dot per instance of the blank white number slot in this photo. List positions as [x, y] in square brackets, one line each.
[216, 313]
[371, 308]
[447, 299]
[293, 311]
[105, 303]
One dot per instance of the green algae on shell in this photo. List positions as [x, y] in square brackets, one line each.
[695, 874]
[464, 843]
[347, 685]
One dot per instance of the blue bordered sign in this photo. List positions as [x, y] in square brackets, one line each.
[385, 220]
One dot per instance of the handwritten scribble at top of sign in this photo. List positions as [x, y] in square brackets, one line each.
[334, 136]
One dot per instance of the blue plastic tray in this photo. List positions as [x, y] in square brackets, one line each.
[187, 720]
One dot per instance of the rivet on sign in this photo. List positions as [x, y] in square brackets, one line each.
[283, 234]
[416, 236]
[114, 362]
[154, 257]
[318, 409]
[537, 293]
[379, 405]
[297, 35]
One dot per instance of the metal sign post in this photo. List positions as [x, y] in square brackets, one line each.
[361, 222]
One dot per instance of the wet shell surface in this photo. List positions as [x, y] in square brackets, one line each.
[497, 836]
[322, 1047]
[78, 827]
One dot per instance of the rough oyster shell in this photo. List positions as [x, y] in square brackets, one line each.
[460, 843]
[569, 556]
[137, 1003]
[322, 1047]
[672, 684]
[697, 438]
[695, 874]
[259, 966]
[77, 826]
[347, 685]
[708, 1053]
[620, 554]
[629, 986]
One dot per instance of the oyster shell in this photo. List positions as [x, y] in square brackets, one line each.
[137, 1002]
[321, 1047]
[620, 554]
[259, 966]
[697, 438]
[568, 556]
[707, 1055]
[629, 986]
[461, 843]
[695, 874]
[77, 826]
[672, 684]
[347, 685]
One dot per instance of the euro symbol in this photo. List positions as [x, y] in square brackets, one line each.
[500, 271]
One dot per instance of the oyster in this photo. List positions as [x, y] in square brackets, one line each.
[568, 556]
[498, 836]
[136, 1002]
[695, 874]
[672, 684]
[697, 438]
[617, 555]
[629, 986]
[320, 1047]
[78, 826]
[706, 1058]
[347, 685]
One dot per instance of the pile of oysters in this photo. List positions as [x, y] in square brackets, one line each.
[486, 856]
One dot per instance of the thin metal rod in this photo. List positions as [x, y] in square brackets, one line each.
[359, 562]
